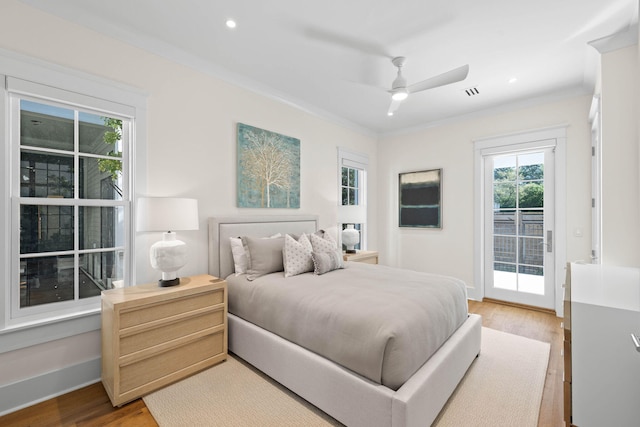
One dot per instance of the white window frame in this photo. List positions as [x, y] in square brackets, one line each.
[360, 162]
[29, 77]
[23, 90]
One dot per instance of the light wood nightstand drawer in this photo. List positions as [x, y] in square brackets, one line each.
[153, 336]
[149, 337]
[167, 309]
[160, 366]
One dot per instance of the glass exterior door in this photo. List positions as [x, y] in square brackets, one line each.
[519, 228]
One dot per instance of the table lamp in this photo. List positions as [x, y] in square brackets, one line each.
[350, 215]
[167, 214]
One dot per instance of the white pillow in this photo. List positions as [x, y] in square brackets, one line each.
[240, 260]
[296, 255]
[241, 254]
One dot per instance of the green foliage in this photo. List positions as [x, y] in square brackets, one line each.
[111, 137]
[504, 195]
[531, 194]
[504, 174]
[530, 172]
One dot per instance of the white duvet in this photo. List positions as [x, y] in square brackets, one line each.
[380, 322]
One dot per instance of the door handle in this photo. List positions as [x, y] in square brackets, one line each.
[549, 240]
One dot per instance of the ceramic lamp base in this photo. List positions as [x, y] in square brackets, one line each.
[168, 255]
[350, 238]
[171, 282]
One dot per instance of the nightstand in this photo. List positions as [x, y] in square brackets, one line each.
[153, 336]
[369, 257]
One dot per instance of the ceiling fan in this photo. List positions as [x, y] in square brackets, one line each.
[400, 91]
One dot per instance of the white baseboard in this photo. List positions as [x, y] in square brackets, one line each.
[30, 391]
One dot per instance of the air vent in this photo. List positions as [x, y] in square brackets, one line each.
[472, 91]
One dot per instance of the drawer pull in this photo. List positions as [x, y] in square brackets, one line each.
[636, 341]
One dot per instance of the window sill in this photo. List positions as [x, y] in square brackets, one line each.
[26, 334]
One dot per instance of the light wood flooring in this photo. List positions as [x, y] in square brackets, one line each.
[90, 405]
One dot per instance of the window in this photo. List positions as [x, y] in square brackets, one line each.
[353, 169]
[70, 199]
[350, 186]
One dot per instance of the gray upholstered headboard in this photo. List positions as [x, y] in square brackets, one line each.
[221, 228]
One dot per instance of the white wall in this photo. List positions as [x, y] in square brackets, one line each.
[191, 149]
[450, 147]
[620, 154]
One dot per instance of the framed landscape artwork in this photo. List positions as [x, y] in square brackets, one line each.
[268, 169]
[420, 199]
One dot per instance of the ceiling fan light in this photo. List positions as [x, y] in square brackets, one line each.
[400, 95]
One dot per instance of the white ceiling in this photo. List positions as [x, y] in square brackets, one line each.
[333, 57]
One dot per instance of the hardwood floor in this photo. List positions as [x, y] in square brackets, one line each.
[90, 405]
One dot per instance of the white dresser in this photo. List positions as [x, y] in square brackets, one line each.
[605, 365]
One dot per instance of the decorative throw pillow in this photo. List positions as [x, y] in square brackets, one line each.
[296, 255]
[323, 244]
[265, 256]
[326, 256]
[323, 262]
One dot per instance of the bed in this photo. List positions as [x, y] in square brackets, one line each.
[351, 397]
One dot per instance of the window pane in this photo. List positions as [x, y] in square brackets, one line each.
[536, 271]
[504, 195]
[532, 223]
[100, 179]
[352, 196]
[531, 194]
[99, 271]
[531, 166]
[504, 248]
[345, 176]
[345, 196]
[45, 280]
[504, 222]
[46, 126]
[45, 228]
[510, 268]
[353, 178]
[101, 227]
[504, 169]
[45, 175]
[100, 135]
[531, 251]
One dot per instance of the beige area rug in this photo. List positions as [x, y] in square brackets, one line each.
[503, 387]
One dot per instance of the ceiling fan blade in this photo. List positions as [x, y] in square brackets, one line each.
[452, 76]
[393, 107]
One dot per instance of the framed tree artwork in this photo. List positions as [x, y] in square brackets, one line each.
[420, 199]
[268, 169]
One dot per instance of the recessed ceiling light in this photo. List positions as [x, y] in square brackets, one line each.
[513, 80]
[389, 113]
[231, 23]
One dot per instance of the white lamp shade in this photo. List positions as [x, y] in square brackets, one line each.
[167, 214]
[352, 214]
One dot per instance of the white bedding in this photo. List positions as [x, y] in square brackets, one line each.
[380, 322]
